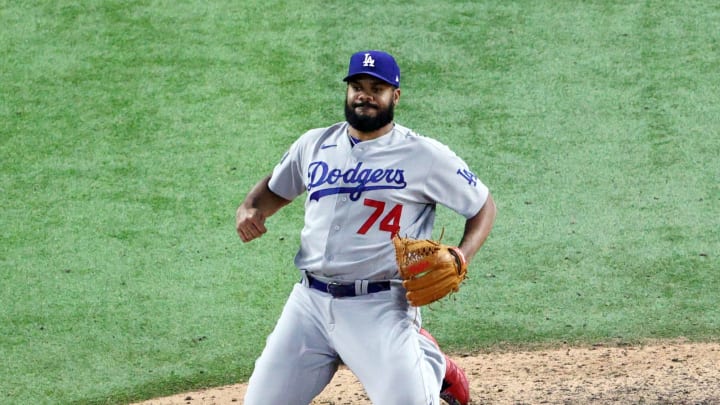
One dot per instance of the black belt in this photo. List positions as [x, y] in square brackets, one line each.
[339, 290]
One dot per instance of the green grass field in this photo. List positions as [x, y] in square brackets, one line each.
[130, 131]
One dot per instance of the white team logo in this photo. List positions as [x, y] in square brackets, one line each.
[369, 61]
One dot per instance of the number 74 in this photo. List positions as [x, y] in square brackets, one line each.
[389, 223]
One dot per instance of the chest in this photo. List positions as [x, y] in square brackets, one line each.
[363, 169]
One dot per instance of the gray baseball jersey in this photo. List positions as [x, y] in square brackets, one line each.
[359, 195]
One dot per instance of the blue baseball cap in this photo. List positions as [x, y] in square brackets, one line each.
[374, 63]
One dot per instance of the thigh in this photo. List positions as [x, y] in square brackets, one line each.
[297, 362]
[378, 339]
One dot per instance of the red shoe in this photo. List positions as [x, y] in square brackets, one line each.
[455, 388]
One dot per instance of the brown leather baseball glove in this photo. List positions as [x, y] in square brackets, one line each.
[429, 269]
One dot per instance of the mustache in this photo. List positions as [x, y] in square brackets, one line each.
[364, 104]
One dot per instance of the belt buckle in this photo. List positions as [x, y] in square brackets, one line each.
[335, 289]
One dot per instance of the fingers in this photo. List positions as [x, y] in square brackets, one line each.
[250, 225]
[248, 232]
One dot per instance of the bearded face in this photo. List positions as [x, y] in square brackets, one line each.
[367, 116]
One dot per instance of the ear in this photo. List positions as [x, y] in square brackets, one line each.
[396, 96]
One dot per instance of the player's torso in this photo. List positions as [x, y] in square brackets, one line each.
[358, 197]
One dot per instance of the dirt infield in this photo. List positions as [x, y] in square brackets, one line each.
[675, 372]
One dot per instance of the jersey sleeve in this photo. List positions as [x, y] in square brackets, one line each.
[287, 179]
[452, 184]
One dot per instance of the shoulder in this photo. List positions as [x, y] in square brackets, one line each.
[316, 138]
[420, 141]
[324, 133]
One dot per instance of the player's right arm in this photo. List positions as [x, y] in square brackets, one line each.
[259, 204]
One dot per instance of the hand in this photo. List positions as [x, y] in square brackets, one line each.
[429, 269]
[249, 223]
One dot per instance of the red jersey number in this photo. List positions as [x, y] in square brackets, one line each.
[389, 223]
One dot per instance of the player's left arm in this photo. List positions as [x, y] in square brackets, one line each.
[477, 229]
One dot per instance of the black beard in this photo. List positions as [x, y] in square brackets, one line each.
[365, 123]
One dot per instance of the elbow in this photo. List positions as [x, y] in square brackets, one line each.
[489, 208]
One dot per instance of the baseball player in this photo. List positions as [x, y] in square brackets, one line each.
[365, 180]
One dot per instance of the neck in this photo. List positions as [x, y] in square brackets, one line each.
[366, 136]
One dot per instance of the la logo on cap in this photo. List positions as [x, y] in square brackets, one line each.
[378, 64]
[369, 61]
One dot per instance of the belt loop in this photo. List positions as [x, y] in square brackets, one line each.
[305, 281]
[361, 287]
